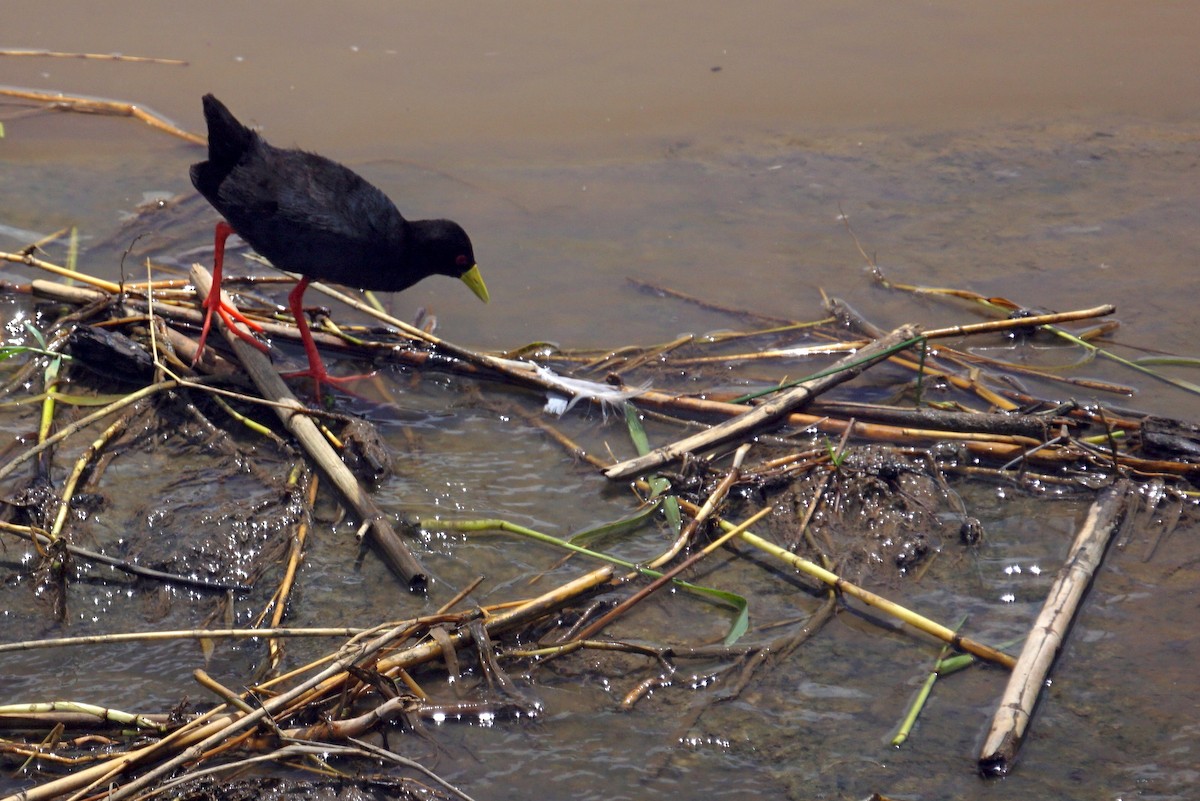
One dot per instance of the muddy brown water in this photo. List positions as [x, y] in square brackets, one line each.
[1047, 153]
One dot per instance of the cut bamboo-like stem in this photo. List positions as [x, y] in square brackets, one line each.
[294, 416]
[1046, 637]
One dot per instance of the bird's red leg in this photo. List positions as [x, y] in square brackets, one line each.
[212, 303]
[316, 368]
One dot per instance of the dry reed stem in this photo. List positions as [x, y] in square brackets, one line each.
[667, 577]
[30, 260]
[20, 52]
[295, 556]
[81, 464]
[521, 613]
[1008, 324]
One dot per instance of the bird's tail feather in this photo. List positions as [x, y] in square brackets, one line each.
[228, 139]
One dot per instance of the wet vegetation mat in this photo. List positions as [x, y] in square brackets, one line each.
[774, 478]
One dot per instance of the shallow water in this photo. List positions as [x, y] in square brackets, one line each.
[1039, 153]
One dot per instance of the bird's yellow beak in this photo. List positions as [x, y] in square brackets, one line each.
[473, 279]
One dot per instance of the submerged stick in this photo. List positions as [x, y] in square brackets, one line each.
[1047, 635]
[769, 412]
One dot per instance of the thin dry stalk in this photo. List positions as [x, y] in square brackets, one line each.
[81, 464]
[1009, 324]
[715, 498]
[520, 613]
[284, 591]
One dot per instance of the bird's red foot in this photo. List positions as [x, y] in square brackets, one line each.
[213, 303]
[319, 376]
[316, 368]
[228, 314]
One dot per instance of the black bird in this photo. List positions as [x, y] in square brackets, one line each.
[313, 216]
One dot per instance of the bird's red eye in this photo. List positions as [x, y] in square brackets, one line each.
[461, 261]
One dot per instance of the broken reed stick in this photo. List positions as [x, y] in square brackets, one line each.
[504, 620]
[1046, 637]
[769, 412]
[715, 499]
[30, 260]
[294, 416]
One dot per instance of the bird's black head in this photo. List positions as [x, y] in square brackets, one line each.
[446, 249]
[444, 246]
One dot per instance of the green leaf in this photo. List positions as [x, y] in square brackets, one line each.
[731, 599]
[658, 484]
[621, 526]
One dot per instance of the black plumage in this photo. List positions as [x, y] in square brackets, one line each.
[310, 215]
